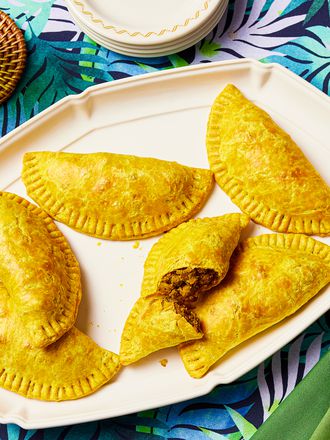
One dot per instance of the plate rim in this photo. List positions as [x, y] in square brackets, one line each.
[209, 382]
[194, 68]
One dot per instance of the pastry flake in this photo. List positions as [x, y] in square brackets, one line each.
[193, 257]
[263, 170]
[270, 278]
[38, 270]
[72, 367]
[155, 323]
[114, 196]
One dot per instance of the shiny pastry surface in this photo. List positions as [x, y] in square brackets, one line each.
[192, 257]
[270, 277]
[263, 170]
[181, 267]
[114, 196]
[72, 367]
[39, 271]
[155, 323]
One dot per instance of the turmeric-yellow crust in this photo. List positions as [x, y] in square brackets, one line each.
[154, 323]
[263, 170]
[187, 261]
[204, 243]
[115, 196]
[270, 277]
[39, 272]
[72, 367]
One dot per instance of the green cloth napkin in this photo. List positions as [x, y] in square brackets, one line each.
[305, 413]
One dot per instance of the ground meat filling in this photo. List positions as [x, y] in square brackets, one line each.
[183, 288]
[188, 315]
[184, 285]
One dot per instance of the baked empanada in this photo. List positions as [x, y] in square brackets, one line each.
[187, 261]
[39, 271]
[270, 277]
[193, 257]
[114, 196]
[155, 323]
[263, 170]
[72, 367]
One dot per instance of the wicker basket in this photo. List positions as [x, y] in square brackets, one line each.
[12, 56]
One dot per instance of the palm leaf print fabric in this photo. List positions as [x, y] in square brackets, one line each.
[63, 61]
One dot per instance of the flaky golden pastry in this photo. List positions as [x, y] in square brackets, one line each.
[187, 261]
[155, 323]
[4, 309]
[193, 257]
[263, 170]
[270, 277]
[38, 270]
[114, 196]
[72, 367]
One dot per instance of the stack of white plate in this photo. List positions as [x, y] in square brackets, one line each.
[147, 28]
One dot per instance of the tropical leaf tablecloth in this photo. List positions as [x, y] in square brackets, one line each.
[63, 61]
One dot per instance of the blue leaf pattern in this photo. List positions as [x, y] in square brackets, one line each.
[309, 56]
[63, 61]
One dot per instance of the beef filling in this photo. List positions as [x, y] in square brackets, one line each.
[184, 285]
[188, 315]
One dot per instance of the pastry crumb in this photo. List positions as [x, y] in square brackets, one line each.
[136, 245]
[91, 323]
[163, 362]
[99, 243]
[98, 325]
[121, 285]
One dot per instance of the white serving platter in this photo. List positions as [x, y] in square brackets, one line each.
[163, 115]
